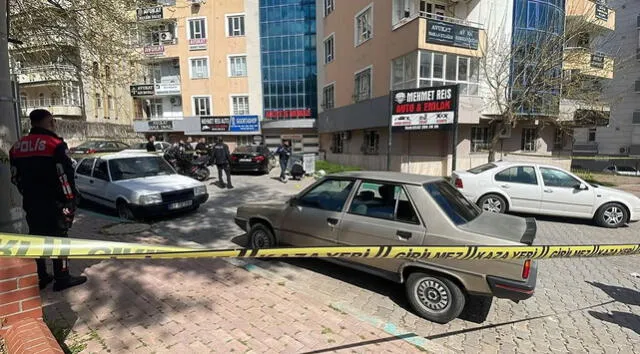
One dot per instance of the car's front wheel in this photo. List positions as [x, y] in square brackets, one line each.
[434, 298]
[612, 215]
[493, 203]
[124, 211]
[260, 236]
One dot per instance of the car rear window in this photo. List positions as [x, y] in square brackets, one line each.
[482, 168]
[458, 208]
[248, 148]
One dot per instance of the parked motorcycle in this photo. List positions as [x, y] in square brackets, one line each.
[186, 164]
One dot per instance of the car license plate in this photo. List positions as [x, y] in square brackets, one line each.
[245, 160]
[179, 205]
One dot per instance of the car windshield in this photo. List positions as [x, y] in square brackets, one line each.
[138, 167]
[458, 208]
[247, 149]
[481, 168]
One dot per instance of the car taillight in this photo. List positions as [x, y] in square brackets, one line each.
[526, 269]
[91, 151]
[458, 183]
[258, 158]
[234, 157]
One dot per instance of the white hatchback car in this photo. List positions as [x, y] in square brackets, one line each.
[137, 185]
[538, 189]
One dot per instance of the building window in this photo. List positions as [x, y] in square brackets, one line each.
[240, 105]
[591, 137]
[338, 143]
[404, 72]
[197, 28]
[95, 69]
[362, 85]
[328, 97]
[199, 68]
[202, 106]
[529, 140]
[42, 102]
[433, 9]
[371, 143]
[364, 25]
[110, 103]
[23, 99]
[155, 108]
[329, 6]
[438, 69]
[238, 65]
[328, 49]
[107, 72]
[235, 25]
[480, 139]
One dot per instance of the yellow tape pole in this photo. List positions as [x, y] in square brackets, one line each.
[23, 246]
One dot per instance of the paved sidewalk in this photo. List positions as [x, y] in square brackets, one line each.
[198, 306]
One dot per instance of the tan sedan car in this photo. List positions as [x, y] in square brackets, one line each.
[386, 208]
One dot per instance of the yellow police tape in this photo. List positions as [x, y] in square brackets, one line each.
[23, 246]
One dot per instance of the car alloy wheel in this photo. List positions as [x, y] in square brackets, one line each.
[613, 215]
[433, 294]
[493, 204]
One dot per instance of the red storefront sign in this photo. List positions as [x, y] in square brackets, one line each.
[290, 113]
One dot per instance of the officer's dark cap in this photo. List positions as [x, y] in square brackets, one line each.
[38, 115]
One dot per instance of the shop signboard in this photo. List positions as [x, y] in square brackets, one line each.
[226, 124]
[452, 34]
[149, 13]
[424, 108]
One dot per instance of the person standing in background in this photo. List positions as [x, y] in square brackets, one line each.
[222, 158]
[283, 152]
[151, 147]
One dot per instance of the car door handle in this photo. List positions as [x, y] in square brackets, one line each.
[548, 191]
[505, 186]
[403, 234]
[332, 221]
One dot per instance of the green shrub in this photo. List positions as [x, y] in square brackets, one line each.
[330, 168]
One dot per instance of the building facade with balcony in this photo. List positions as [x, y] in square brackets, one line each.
[289, 85]
[199, 75]
[405, 44]
[622, 135]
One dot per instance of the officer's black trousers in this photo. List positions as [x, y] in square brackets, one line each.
[42, 225]
[227, 171]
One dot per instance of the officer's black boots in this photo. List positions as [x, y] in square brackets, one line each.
[69, 281]
[45, 280]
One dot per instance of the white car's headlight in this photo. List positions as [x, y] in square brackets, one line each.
[151, 199]
[200, 190]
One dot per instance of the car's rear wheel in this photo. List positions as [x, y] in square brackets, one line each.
[493, 203]
[612, 215]
[434, 298]
[261, 236]
[124, 211]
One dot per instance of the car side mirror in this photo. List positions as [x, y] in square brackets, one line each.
[582, 187]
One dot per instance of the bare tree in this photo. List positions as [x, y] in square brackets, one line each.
[555, 77]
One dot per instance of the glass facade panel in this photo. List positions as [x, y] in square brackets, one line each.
[288, 46]
[535, 22]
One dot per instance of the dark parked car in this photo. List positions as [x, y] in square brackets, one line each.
[251, 158]
[97, 146]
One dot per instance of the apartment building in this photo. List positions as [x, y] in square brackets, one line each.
[200, 70]
[412, 44]
[622, 135]
[65, 88]
[288, 49]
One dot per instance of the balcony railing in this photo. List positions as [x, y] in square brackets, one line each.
[457, 21]
[49, 102]
[45, 68]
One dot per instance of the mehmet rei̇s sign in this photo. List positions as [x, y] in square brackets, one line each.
[424, 108]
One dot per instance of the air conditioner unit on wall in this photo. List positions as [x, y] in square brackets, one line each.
[176, 101]
[166, 36]
[624, 149]
[505, 131]
[346, 135]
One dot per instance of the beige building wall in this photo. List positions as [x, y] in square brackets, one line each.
[219, 85]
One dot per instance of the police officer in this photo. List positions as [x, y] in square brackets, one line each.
[222, 157]
[151, 147]
[43, 173]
